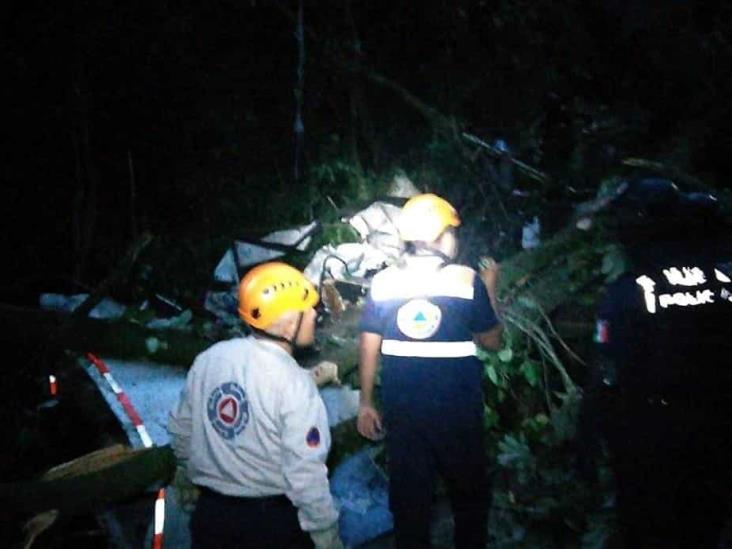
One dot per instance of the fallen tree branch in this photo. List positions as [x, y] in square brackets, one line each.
[113, 278]
[88, 491]
[556, 335]
[536, 334]
[533, 173]
[671, 172]
[114, 338]
[59, 330]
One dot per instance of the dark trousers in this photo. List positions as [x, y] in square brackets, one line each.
[417, 452]
[673, 481]
[223, 521]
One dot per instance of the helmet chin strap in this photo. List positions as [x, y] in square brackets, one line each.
[427, 250]
[291, 342]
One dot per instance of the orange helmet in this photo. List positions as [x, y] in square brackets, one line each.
[424, 218]
[271, 289]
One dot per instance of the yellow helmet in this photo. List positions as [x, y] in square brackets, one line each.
[271, 289]
[425, 217]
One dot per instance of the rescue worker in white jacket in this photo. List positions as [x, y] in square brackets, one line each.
[251, 429]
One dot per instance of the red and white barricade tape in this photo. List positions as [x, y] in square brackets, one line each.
[157, 542]
[52, 385]
[159, 520]
[123, 400]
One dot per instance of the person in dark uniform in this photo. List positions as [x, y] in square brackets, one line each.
[422, 319]
[661, 391]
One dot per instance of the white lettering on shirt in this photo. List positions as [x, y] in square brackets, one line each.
[687, 276]
[647, 284]
[685, 299]
[721, 276]
[725, 294]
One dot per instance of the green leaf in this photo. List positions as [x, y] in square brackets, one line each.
[564, 418]
[483, 355]
[139, 316]
[535, 426]
[490, 418]
[505, 355]
[492, 374]
[531, 372]
[614, 263]
[152, 344]
[514, 453]
[527, 302]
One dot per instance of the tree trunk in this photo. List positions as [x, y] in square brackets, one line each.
[92, 482]
[120, 339]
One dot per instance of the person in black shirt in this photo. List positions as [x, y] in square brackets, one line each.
[660, 392]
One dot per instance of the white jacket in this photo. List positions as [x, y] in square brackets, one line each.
[250, 422]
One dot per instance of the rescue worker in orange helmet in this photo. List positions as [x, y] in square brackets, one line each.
[422, 320]
[251, 429]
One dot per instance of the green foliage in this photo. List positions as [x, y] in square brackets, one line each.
[614, 262]
[490, 417]
[153, 345]
[338, 180]
[339, 233]
[531, 370]
[337, 183]
[515, 454]
[539, 500]
[333, 233]
[137, 315]
[446, 168]
[531, 423]
[564, 416]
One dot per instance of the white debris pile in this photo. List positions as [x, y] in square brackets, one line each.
[379, 247]
[243, 254]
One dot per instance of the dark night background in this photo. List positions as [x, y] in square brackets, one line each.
[199, 97]
[176, 118]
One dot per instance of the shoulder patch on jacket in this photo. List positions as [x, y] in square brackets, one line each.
[313, 437]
